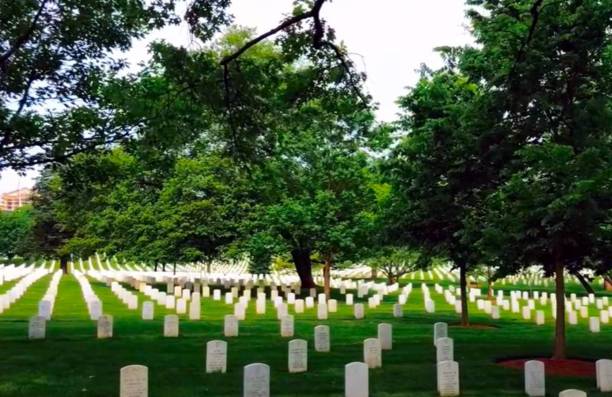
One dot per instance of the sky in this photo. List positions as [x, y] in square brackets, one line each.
[388, 39]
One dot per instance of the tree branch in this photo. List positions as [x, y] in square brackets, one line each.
[22, 39]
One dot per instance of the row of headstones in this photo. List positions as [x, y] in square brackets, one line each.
[46, 304]
[19, 289]
[526, 311]
[92, 302]
[535, 379]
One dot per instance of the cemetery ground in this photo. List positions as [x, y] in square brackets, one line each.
[72, 362]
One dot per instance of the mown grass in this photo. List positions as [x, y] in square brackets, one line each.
[72, 362]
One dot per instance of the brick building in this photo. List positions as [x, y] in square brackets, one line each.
[10, 201]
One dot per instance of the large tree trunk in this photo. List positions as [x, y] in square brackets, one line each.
[64, 264]
[559, 351]
[465, 318]
[607, 283]
[390, 279]
[327, 278]
[584, 282]
[303, 266]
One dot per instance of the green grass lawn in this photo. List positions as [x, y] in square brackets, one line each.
[72, 362]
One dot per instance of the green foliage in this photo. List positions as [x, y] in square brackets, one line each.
[14, 229]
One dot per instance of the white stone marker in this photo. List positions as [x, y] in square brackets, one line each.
[444, 349]
[448, 378]
[572, 393]
[604, 375]
[148, 310]
[358, 311]
[299, 306]
[230, 325]
[349, 299]
[398, 311]
[356, 380]
[332, 306]
[594, 324]
[260, 306]
[440, 331]
[37, 327]
[322, 311]
[540, 319]
[171, 326]
[216, 356]
[181, 306]
[105, 326]
[286, 326]
[535, 379]
[134, 381]
[322, 338]
[195, 309]
[95, 309]
[385, 336]
[309, 302]
[298, 355]
[44, 309]
[372, 353]
[170, 301]
[256, 380]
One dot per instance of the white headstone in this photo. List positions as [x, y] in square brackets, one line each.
[256, 380]
[298, 355]
[356, 380]
[440, 331]
[37, 327]
[44, 309]
[322, 311]
[148, 310]
[535, 379]
[286, 326]
[230, 325]
[216, 356]
[349, 299]
[372, 353]
[134, 381]
[171, 326]
[358, 311]
[105, 326]
[385, 336]
[444, 349]
[397, 311]
[594, 324]
[604, 375]
[572, 393]
[322, 338]
[448, 378]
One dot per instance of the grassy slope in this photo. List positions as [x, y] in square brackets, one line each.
[71, 362]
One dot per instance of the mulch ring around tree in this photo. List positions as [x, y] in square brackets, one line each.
[566, 367]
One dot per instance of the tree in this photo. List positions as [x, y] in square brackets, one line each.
[53, 60]
[439, 170]
[548, 64]
[394, 262]
[14, 228]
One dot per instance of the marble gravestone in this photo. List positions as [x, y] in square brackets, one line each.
[134, 381]
[385, 336]
[286, 326]
[298, 356]
[440, 331]
[372, 353]
[148, 310]
[216, 356]
[256, 381]
[356, 380]
[604, 375]
[230, 325]
[358, 310]
[105, 326]
[444, 349]
[572, 393]
[535, 379]
[171, 326]
[322, 338]
[37, 327]
[448, 378]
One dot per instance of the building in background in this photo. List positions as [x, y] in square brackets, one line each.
[10, 201]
